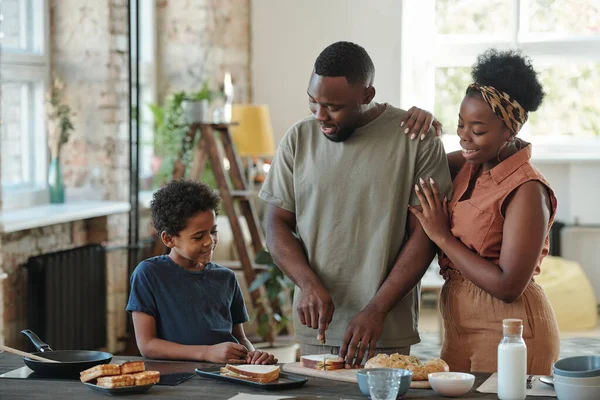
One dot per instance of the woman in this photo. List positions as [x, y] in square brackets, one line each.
[493, 234]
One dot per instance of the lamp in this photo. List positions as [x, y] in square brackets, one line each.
[253, 136]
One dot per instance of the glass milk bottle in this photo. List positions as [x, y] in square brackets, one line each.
[512, 361]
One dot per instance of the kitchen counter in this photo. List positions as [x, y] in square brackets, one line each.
[195, 388]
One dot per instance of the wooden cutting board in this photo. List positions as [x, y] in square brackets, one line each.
[342, 375]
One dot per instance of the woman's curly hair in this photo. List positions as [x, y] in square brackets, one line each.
[509, 71]
[178, 201]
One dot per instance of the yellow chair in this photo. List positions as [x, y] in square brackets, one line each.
[570, 293]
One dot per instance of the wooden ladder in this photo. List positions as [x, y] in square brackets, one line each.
[208, 149]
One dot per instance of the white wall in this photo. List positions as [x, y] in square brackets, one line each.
[287, 37]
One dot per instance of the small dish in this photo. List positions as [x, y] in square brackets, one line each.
[564, 391]
[578, 367]
[120, 390]
[285, 381]
[451, 384]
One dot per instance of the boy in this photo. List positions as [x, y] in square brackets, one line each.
[184, 307]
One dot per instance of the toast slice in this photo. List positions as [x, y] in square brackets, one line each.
[131, 367]
[116, 381]
[315, 361]
[98, 371]
[146, 378]
[253, 373]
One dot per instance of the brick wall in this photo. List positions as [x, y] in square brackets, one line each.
[197, 40]
[17, 247]
[203, 39]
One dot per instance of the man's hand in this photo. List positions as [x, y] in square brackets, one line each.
[315, 309]
[260, 357]
[364, 330]
[417, 122]
[227, 353]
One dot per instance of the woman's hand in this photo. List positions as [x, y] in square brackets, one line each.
[418, 122]
[433, 214]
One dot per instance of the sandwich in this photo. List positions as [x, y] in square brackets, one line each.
[131, 367]
[420, 370]
[146, 378]
[324, 362]
[253, 373]
[116, 376]
[115, 381]
[98, 371]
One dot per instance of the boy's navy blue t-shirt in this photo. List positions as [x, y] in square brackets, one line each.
[192, 308]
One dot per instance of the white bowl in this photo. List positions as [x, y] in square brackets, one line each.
[564, 391]
[451, 384]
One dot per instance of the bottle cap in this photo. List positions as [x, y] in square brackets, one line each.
[512, 326]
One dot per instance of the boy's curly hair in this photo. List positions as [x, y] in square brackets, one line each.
[178, 201]
[509, 71]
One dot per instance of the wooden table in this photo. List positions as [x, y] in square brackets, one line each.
[195, 388]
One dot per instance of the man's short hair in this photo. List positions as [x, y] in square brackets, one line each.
[348, 60]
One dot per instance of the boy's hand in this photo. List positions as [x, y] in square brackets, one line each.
[227, 353]
[260, 357]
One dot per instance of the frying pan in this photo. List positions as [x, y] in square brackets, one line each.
[71, 362]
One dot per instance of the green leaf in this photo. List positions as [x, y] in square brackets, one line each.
[263, 257]
[159, 114]
[260, 280]
[282, 297]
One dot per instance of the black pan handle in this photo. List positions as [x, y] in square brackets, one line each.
[37, 342]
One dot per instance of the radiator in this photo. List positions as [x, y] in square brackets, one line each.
[67, 298]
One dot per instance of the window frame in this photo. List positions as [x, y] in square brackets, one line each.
[31, 66]
[419, 60]
[148, 82]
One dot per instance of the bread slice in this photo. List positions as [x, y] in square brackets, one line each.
[131, 367]
[393, 361]
[315, 361]
[420, 371]
[99, 370]
[146, 378]
[253, 373]
[116, 381]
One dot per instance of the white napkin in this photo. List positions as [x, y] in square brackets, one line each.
[245, 396]
[537, 388]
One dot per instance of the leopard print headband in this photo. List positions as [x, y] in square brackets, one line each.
[507, 109]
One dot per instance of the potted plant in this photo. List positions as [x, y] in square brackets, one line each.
[170, 130]
[279, 291]
[58, 117]
[195, 107]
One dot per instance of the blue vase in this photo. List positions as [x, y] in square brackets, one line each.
[56, 184]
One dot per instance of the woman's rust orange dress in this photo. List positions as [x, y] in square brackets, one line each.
[472, 317]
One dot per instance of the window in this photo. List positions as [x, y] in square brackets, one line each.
[24, 76]
[442, 38]
[147, 85]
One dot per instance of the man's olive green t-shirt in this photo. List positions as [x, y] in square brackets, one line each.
[351, 204]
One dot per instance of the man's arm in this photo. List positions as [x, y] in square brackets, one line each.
[409, 267]
[315, 307]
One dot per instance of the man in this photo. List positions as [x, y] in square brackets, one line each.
[337, 221]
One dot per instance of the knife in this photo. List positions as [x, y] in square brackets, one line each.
[322, 340]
